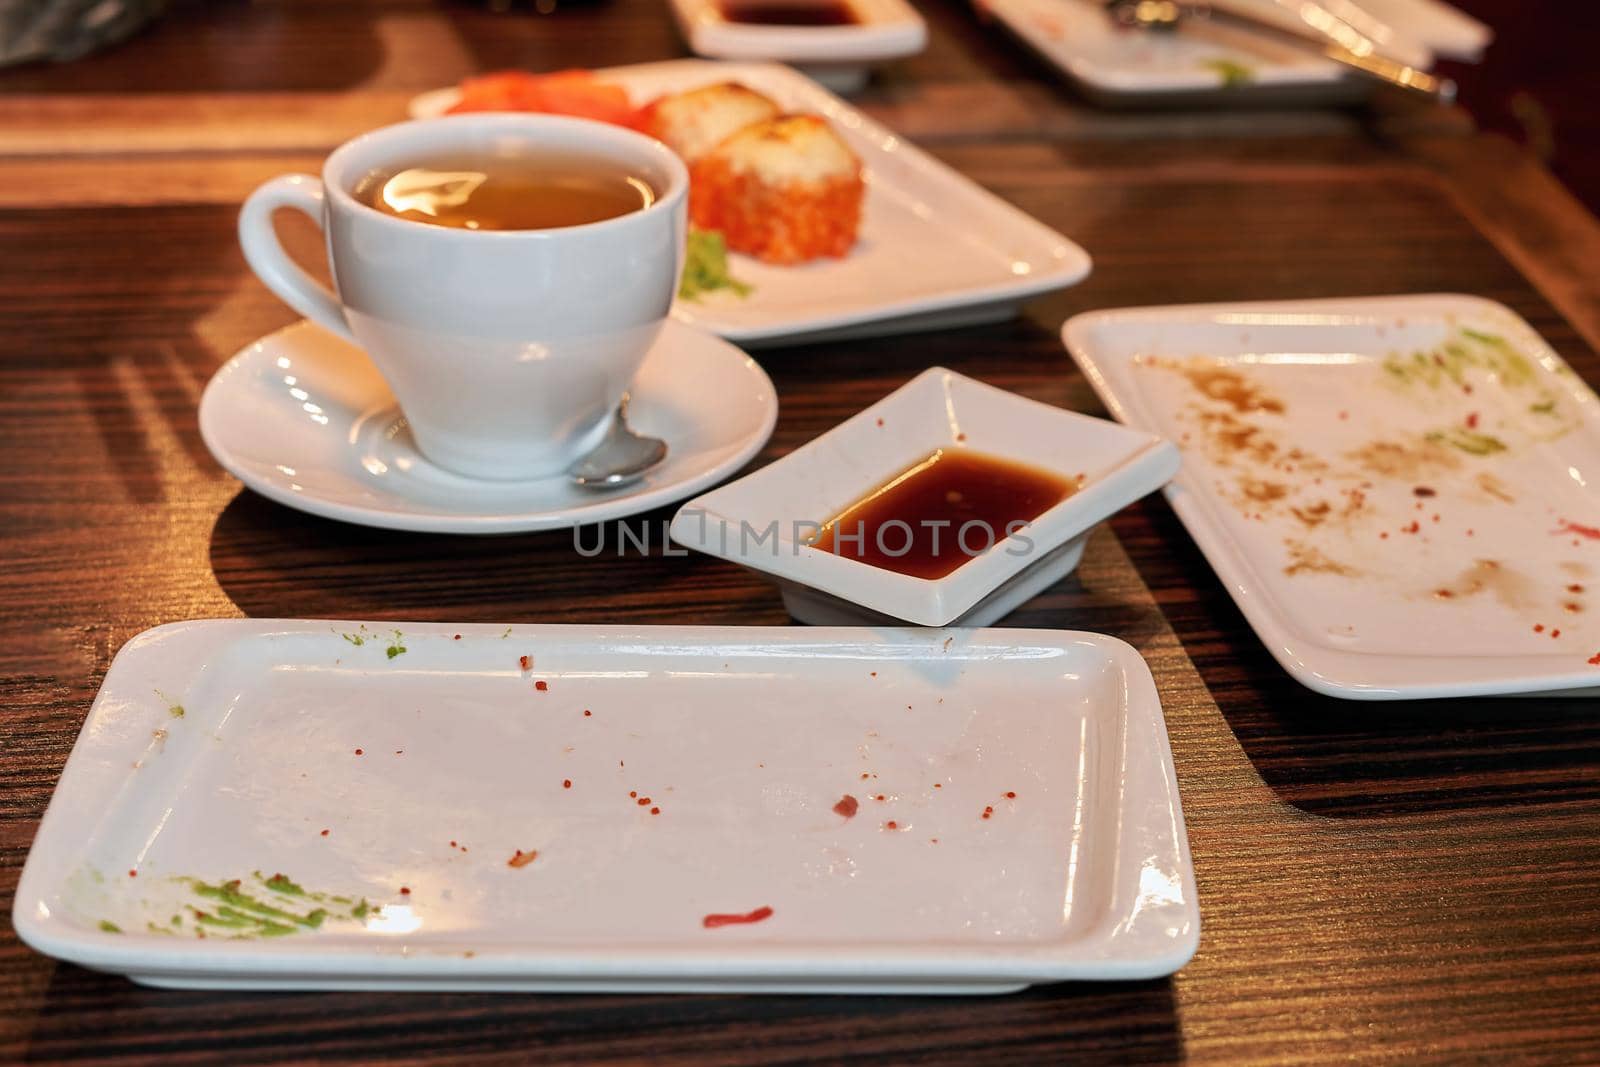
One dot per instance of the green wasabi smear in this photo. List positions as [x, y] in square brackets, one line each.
[1478, 444]
[705, 267]
[1233, 74]
[110, 927]
[1450, 362]
[506, 634]
[280, 883]
[1547, 407]
[157, 928]
[358, 639]
[249, 916]
[395, 647]
[174, 708]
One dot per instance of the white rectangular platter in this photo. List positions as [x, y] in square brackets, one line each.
[1398, 491]
[936, 250]
[403, 808]
[1218, 64]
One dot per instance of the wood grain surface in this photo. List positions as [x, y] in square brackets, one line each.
[1378, 883]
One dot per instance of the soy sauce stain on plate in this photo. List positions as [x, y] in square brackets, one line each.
[942, 511]
[789, 12]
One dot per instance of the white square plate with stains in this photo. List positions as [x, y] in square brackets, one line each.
[936, 250]
[1397, 491]
[306, 804]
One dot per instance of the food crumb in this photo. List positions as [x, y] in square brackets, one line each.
[541, 685]
[1538, 627]
[458, 637]
[988, 811]
[360, 752]
[526, 662]
[711, 922]
[891, 825]
[133, 873]
[566, 783]
[1011, 794]
[405, 891]
[587, 713]
[325, 833]
[847, 806]
[522, 859]
[655, 811]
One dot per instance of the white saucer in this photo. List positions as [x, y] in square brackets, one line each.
[305, 419]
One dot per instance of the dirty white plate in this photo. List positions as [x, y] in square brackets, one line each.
[304, 418]
[936, 250]
[839, 57]
[463, 821]
[1398, 491]
[1217, 64]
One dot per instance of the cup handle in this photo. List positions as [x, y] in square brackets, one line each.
[265, 254]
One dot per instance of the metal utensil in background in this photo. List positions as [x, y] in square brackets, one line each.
[1322, 32]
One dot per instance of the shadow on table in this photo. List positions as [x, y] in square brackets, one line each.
[1360, 759]
[1081, 1023]
[275, 562]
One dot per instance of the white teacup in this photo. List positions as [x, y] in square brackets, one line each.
[508, 350]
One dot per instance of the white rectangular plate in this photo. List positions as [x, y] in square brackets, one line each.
[1398, 491]
[936, 250]
[394, 781]
[1120, 66]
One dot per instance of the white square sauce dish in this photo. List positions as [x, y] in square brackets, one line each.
[783, 519]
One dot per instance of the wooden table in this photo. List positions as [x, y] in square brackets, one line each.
[1377, 882]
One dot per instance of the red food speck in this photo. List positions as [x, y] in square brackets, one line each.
[541, 685]
[325, 833]
[643, 802]
[1436, 518]
[566, 783]
[133, 874]
[522, 859]
[359, 752]
[1413, 528]
[847, 806]
[1469, 533]
[938, 785]
[405, 891]
[526, 662]
[1594, 660]
[655, 811]
[1423, 490]
[587, 713]
[1384, 536]
[1344, 414]
[891, 825]
[880, 796]
[880, 422]
[458, 637]
[988, 811]
[874, 674]
[961, 437]
[1569, 527]
[1538, 627]
[711, 922]
[452, 844]
[633, 792]
[1472, 421]
[1555, 633]
[1574, 588]
[1011, 794]
[863, 776]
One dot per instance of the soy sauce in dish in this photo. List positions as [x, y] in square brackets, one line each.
[934, 499]
[789, 12]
